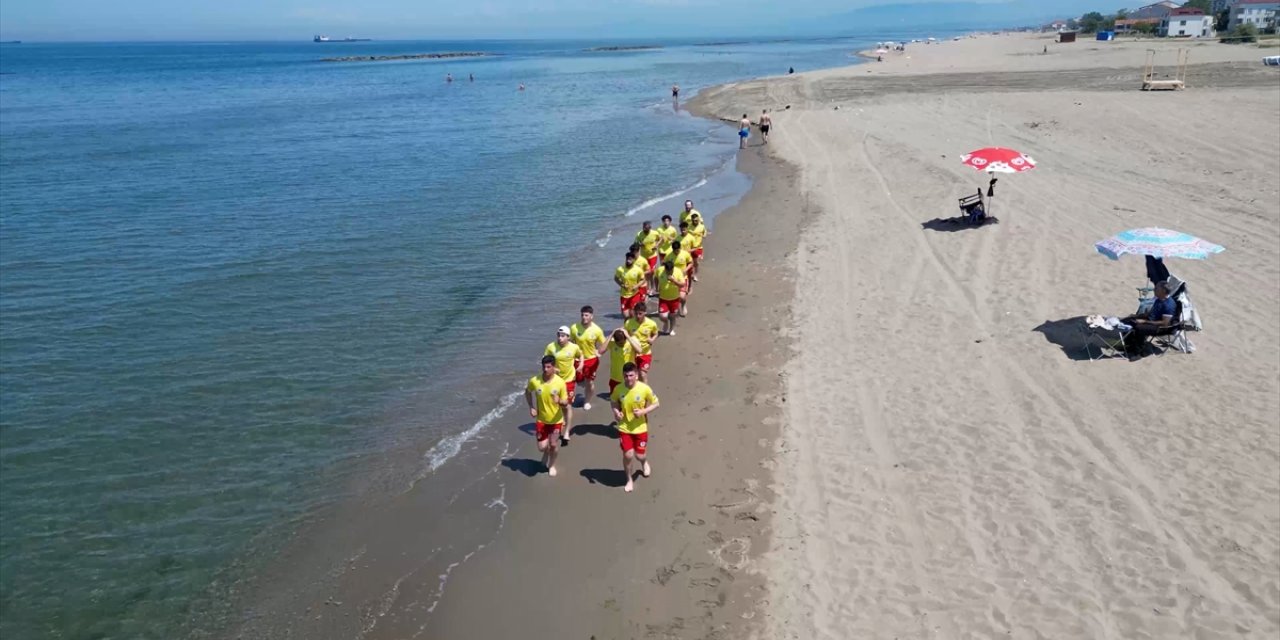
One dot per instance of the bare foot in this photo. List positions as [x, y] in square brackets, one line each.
[647, 470]
[631, 486]
[551, 471]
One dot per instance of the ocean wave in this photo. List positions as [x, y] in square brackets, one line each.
[449, 447]
[663, 198]
[602, 242]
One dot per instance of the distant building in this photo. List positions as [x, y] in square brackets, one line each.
[1259, 13]
[1218, 6]
[1129, 25]
[1157, 10]
[1186, 23]
[1056, 25]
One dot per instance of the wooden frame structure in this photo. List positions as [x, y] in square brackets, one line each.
[1179, 81]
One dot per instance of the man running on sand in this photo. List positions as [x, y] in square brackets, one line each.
[643, 266]
[671, 293]
[744, 130]
[688, 212]
[683, 261]
[667, 233]
[622, 350]
[568, 364]
[645, 331]
[590, 340]
[547, 397]
[629, 279]
[648, 238]
[766, 123]
[699, 233]
[632, 404]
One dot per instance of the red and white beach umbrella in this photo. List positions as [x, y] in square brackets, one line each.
[998, 160]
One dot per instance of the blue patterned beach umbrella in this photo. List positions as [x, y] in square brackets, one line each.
[1158, 243]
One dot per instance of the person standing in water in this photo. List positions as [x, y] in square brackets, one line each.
[448, 77]
[471, 77]
[675, 92]
[766, 122]
[744, 130]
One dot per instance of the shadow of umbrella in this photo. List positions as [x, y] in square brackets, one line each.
[1067, 335]
[955, 224]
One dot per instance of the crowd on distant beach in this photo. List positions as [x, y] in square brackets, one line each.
[657, 273]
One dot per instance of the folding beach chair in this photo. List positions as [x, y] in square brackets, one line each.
[1104, 336]
[972, 210]
[1187, 319]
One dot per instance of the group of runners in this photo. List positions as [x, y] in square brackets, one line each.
[662, 263]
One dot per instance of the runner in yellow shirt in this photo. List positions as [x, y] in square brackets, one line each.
[643, 265]
[629, 278]
[669, 231]
[622, 350]
[699, 232]
[547, 397]
[568, 363]
[688, 212]
[590, 340]
[645, 331]
[648, 238]
[632, 404]
[671, 281]
[683, 261]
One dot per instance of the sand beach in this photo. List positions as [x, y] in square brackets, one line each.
[873, 426]
[950, 463]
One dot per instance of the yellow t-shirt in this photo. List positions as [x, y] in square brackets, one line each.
[637, 397]
[644, 333]
[686, 242]
[699, 233]
[619, 356]
[685, 216]
[683, 259]
[588, 339]
[547, 394]
[648, 242]
[664, 250]
[564, 359]
[669, 284]
[631, 280]
[668, 234]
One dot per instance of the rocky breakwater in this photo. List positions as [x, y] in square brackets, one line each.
[410, 56]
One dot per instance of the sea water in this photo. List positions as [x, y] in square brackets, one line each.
[231, 274]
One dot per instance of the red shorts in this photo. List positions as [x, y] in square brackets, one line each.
[669, 306]
[613, 384]
[588, 370]
[653, 262]
[544, 431]
[570, 386]
[637, 441]
[644, 361]
[628, 303]
[697, 253]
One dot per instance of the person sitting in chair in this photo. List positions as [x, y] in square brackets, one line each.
[1159, 317]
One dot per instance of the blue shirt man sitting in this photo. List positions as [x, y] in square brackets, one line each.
[1161, 315]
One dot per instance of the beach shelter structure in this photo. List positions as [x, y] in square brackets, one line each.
[997, 160]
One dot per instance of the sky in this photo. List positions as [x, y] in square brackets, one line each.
[116, 20]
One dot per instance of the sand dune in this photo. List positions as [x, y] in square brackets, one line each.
[952, 465]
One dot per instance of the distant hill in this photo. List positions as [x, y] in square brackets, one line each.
[943, 15]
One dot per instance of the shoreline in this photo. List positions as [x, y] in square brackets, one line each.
[677, 556]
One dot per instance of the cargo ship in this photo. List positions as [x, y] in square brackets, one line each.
[328, 39]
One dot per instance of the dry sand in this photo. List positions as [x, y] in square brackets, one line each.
[950, 464]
